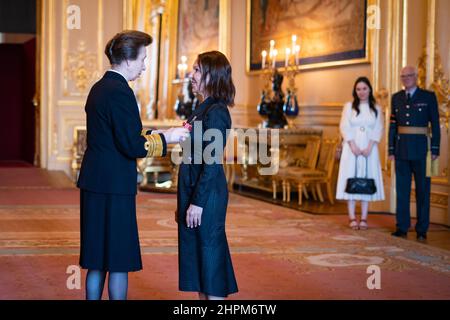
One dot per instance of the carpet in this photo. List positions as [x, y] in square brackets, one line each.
[278, 253]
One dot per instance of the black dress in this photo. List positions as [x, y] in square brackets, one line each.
[204, 257]
[108, 177]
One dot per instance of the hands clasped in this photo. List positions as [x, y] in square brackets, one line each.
[360, 152]
[355, 149]
[194, 216]
[366, 152]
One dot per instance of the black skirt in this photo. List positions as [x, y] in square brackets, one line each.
[109, 238]
[204, 258]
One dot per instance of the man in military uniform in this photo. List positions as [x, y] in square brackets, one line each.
[413, 109]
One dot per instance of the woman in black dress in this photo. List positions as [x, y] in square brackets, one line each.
[204, 258]
[108, 175]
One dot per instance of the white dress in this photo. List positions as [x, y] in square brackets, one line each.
[362, 128]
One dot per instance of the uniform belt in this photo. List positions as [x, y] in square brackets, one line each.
[413, 130]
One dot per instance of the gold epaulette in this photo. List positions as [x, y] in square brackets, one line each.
[153, 145]
[144, 132]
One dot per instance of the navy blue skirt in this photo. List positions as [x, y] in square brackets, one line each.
[109, 238]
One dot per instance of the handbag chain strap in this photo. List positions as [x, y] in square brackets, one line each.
[356, 167]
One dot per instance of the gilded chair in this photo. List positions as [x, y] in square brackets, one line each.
[306, 160]
[322, 174]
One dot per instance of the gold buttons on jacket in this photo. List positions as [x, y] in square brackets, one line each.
[407, 123]
[407, 114]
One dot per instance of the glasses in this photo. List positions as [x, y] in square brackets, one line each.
[404, 76]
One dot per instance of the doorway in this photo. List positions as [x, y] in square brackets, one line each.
[17, 83]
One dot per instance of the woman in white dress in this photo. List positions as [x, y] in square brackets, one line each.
[361, 127]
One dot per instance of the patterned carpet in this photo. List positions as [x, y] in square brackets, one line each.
[278, 253]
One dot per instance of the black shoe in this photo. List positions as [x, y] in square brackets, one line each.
[399, 234]
[421, 237]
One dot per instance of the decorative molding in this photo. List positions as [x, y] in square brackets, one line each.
[439, 83]
[127, 14]
[81, 67]
[166, 10]
[172, 68]
[437, 199]
[100, 39]
[375, 51]
[225, 27]
[431, 40]
[383, 99]
[67, 72]
[393, 60]
[405, 33]
[71, 103]
[67, 128]
[143, 15]
[394, 46]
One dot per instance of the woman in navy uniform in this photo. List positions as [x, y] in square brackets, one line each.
[413, 109]
[108, 176]
[204, 258]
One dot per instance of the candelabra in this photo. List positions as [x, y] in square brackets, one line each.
[291, 108]
[272, 104]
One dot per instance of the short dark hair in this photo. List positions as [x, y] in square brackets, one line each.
[125, 45]
[216, 76]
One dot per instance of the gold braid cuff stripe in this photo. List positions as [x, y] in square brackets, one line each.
[154, 145]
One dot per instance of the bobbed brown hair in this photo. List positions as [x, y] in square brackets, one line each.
[216, 76]
[125, 45]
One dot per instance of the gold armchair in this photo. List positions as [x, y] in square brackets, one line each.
[303, 177]
[305, 161]
[323, 174]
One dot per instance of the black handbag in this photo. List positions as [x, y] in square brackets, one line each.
[360, 185]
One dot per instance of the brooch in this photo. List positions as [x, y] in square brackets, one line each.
[188, 125]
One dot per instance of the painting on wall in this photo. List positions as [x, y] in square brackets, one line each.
[329, 32]
[198, 28]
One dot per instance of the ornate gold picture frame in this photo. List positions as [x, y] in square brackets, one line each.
[332, 33]
[198, 28]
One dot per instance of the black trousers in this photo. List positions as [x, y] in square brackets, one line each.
[404, 169]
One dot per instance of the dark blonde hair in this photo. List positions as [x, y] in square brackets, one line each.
[216, 76]
[125, 45]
